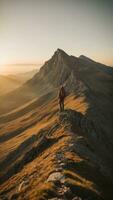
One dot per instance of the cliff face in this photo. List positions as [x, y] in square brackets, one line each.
[60, 69]
[46, 154]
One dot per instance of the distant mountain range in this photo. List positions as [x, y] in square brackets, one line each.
[12, 82]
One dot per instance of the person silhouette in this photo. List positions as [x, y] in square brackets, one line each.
[62, 95]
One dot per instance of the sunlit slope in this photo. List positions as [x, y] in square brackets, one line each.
[23, 120]
[41, 142]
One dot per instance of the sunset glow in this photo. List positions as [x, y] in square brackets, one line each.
[32, 30]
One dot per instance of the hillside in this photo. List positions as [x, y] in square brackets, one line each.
[45, 154]
[25, 76]
[10, 82]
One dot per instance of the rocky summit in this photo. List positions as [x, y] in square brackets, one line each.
[46, 154]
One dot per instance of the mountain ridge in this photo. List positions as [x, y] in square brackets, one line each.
[46, 154]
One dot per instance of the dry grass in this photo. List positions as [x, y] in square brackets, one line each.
[44, 191]
[72, 156]
[45, 163]
[77, 180]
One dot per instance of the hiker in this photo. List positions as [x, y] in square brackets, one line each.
[62, 95]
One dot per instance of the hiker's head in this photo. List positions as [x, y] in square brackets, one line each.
[61, 86]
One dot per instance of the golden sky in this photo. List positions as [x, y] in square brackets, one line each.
[31, 30]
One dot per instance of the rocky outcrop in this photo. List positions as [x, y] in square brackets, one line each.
[76, 119]
[90, 142]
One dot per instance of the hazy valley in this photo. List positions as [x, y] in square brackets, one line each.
[11, 82]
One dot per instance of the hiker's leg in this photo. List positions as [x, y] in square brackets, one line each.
[63, 105]
[60, 105]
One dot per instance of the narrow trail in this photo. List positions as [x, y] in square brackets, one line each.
[61, 161]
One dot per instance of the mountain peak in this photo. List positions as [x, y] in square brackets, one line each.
[60, 52]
